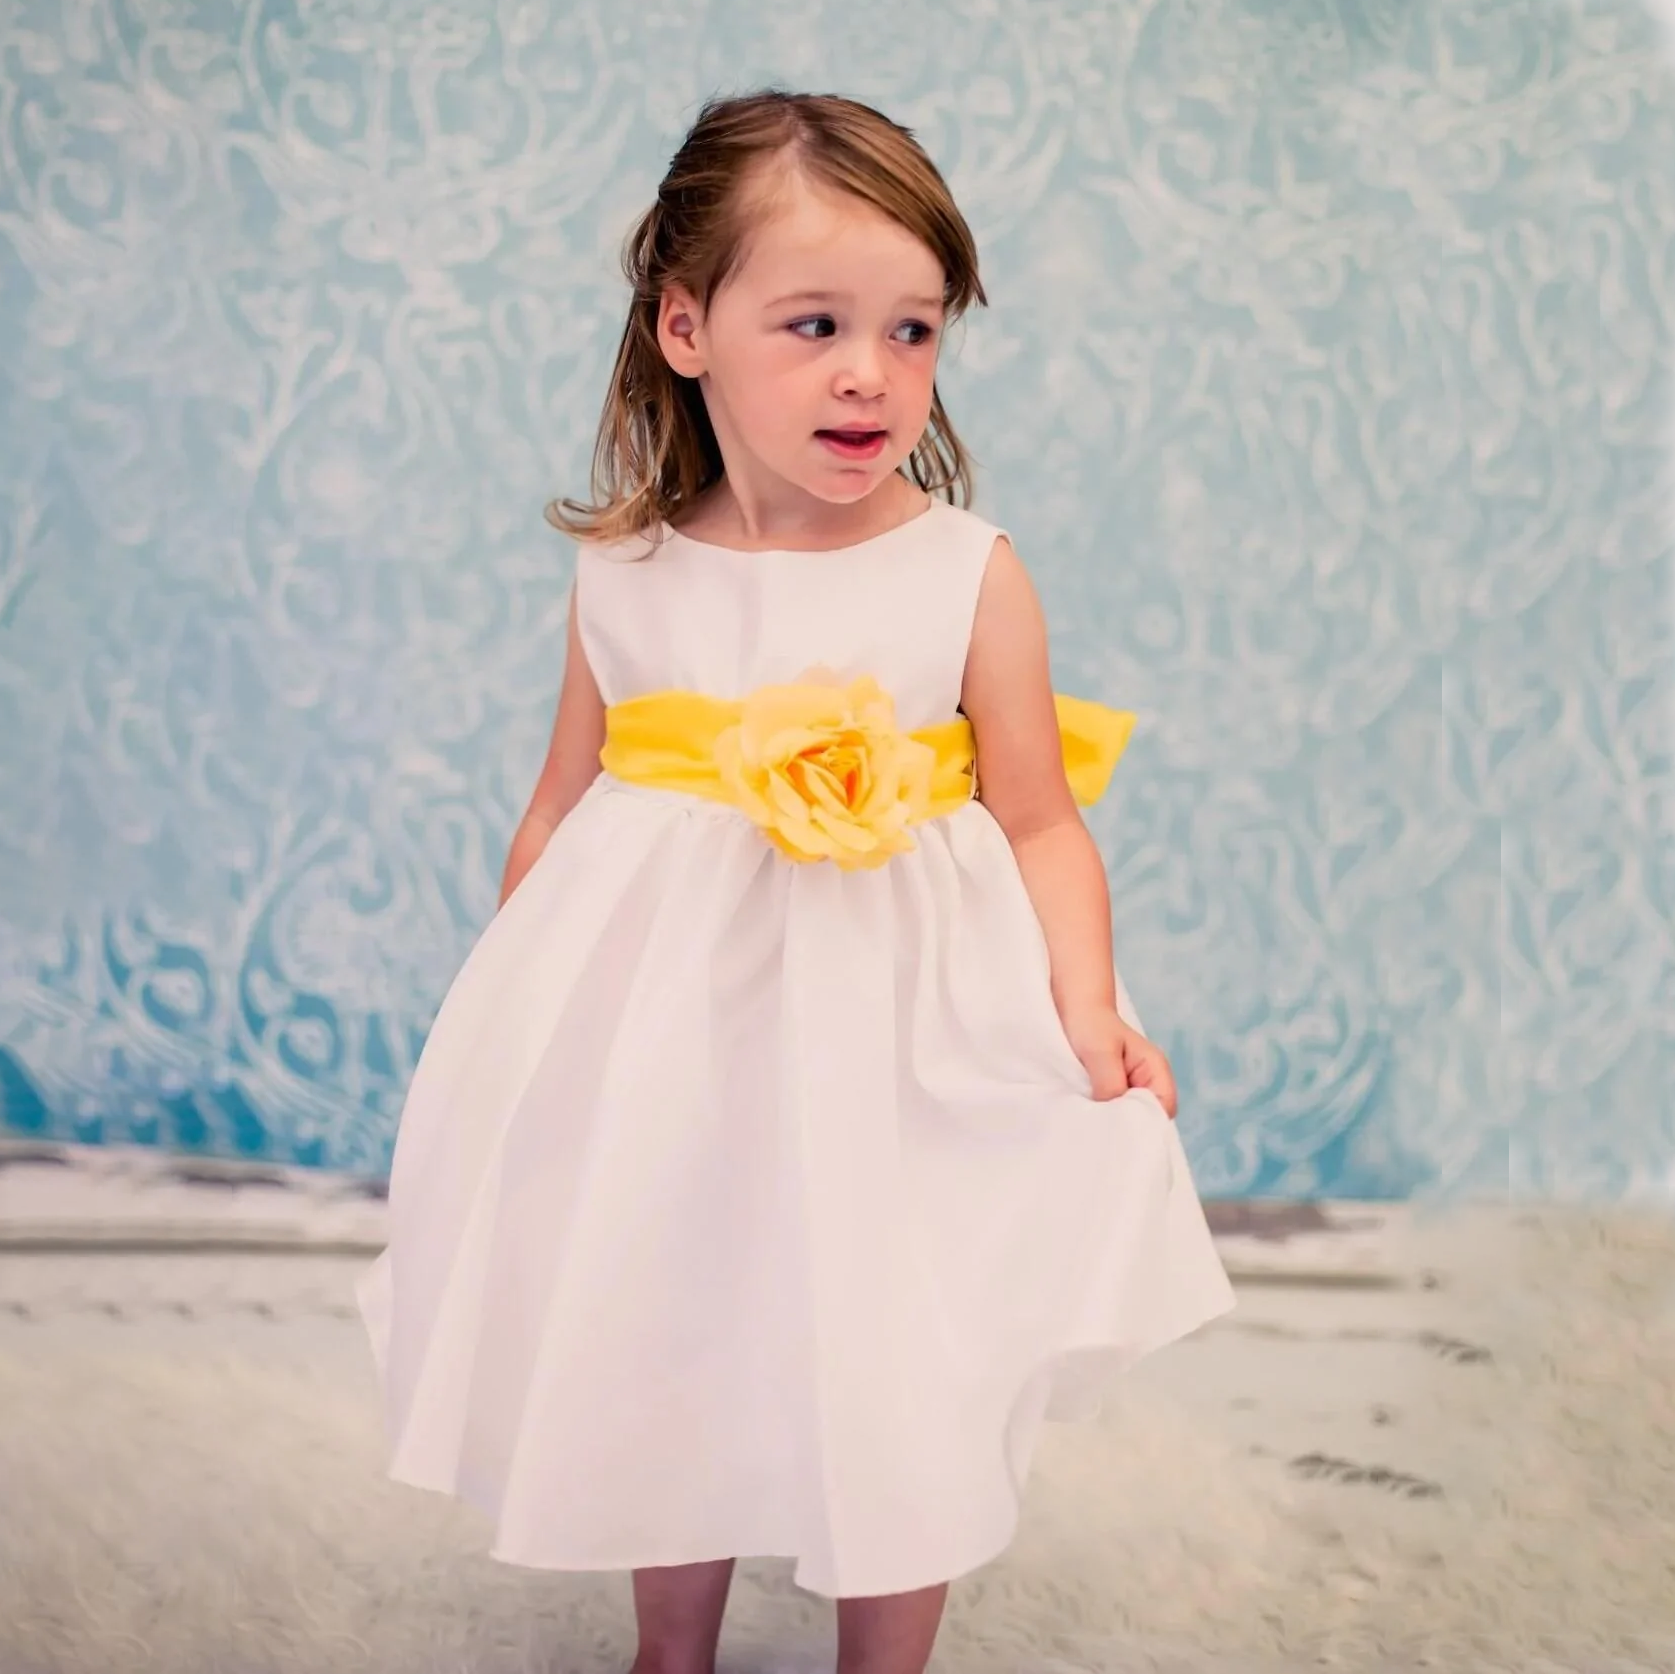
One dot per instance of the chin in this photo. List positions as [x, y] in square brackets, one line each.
[846, 494]
[835, 488]
[844, 488]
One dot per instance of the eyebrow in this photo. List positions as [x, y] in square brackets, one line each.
[925, 302]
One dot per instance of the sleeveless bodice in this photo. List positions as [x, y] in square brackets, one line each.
[687, 616]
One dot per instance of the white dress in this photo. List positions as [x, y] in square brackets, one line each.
[748, 1208]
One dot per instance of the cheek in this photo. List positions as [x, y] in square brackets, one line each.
[918, 381]
[786, 385]
[759, 385]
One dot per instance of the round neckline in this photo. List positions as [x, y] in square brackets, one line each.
[672, 533]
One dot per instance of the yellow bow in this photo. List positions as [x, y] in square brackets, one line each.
[823, 770]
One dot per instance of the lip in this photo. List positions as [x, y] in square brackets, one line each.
[853, 442]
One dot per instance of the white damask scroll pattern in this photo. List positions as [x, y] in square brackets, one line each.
[1326, 388]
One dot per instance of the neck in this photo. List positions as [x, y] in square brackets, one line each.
[728, 516]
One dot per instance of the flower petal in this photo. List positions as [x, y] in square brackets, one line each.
[787, 803]
[844, 833]
[822, 788]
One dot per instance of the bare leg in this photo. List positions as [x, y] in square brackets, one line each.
[679, 1611]
[890, 1635]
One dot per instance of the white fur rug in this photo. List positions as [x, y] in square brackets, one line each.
[193, 1493]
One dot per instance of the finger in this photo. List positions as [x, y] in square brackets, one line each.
[1151, 1071]
[1165, 1091]
[1108, 1074]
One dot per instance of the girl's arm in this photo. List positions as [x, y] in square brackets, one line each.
[1008, 698]
[572, 762]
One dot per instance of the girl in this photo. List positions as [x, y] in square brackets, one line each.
[787, 1145]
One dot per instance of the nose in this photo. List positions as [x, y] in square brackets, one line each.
[861, 375]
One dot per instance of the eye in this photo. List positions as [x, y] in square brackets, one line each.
[816, 325]
[921, 332]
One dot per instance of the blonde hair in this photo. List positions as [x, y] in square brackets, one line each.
[656, 451]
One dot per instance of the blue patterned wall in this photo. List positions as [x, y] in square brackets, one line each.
[1325, 386]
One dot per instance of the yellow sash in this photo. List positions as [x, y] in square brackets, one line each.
[822, 768]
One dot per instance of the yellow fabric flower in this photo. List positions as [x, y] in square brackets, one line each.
[825, 773]
[822, 769]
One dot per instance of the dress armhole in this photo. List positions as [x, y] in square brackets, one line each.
[601, 597]
[974, 570]
[580, 590]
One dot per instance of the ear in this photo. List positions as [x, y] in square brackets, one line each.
[679, 319]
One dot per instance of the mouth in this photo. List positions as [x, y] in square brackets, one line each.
[854, 441]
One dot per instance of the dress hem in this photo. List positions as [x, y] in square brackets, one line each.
[1093, 1392]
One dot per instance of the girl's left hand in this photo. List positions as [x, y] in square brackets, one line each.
[1118, 1058]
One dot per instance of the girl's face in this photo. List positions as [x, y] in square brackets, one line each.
[817, 357]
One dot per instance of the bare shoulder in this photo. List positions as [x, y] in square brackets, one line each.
[1008, 698]
[1008, 606]
[1004, 559]
[1004, 564]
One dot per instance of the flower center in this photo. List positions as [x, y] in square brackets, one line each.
[834, 772]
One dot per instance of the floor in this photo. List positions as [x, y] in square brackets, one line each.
[1442, 1440]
